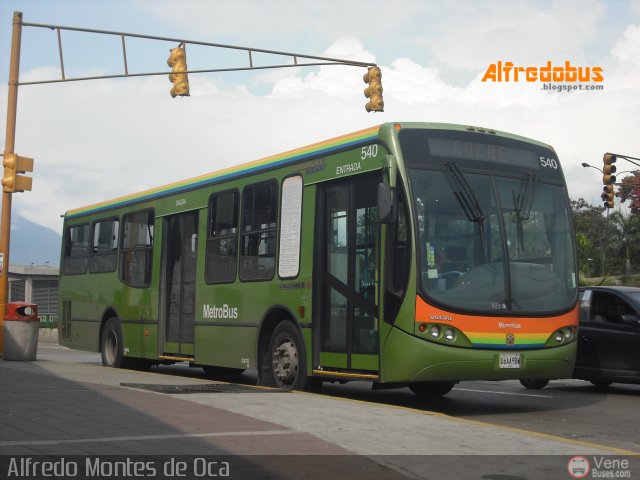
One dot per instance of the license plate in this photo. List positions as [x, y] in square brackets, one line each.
[510, 360]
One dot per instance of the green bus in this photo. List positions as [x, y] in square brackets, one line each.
[407, 254]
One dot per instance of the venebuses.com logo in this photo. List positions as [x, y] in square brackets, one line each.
[599, 467]
[564, 77]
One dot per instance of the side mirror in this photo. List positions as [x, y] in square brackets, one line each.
[585, 306]
[386, 203]
[392, 166]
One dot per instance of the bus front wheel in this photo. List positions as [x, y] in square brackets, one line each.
[431, 389]
[600, 383]
[534, 383]
[111, 344]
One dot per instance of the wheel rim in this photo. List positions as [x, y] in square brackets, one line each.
[110, 347]
[285, 363]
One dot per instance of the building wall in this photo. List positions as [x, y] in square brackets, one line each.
[36, 284]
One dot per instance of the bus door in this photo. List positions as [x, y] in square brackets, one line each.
[178, 292]
[347, 276]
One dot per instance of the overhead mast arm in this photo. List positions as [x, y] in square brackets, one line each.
[312, 60]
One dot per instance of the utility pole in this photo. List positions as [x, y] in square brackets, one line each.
[9, 145]
[606, 244]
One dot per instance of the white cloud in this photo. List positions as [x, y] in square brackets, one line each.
[628, 47]
[533, 32]
[329, 18]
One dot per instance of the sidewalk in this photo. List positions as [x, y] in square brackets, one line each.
[80, 408]
[67, 404]
[61, 408]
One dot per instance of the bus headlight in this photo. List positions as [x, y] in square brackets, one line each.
[443, 334]
[562, 336]
[434, 331]
[449, 334]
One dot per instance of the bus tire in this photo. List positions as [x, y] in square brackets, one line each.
[431, 389]
[111, 346]
[287, 362]
[534, 383]
[600, 383]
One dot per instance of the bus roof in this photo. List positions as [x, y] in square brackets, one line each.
[281, 159]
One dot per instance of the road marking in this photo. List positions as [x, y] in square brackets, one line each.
[147, 437]
[503, 393]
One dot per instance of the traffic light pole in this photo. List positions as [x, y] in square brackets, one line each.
[9, 145]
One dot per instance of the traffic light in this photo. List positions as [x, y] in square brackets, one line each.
[608, 169]
[608, 179]
[608, 196]
[13, 165]
[178, 62]
[373, 92]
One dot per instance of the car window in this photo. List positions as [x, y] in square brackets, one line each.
[607, 308]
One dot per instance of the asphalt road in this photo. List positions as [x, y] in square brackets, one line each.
[571, 409]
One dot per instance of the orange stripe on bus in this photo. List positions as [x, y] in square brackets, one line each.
[482, 324]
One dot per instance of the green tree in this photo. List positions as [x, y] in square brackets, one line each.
[625, 241]
[584, 250]
[590, 226]
[630, 190]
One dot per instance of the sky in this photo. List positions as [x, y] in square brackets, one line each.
[96, 140]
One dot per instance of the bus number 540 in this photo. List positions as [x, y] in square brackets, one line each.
[549, 162]
[369, 151]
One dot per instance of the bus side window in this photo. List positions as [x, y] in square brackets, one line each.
[258, 239]
[76, 252]
[104, 252]
[222, 240]
[137, 247]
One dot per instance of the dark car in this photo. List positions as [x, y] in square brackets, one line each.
[608, 337]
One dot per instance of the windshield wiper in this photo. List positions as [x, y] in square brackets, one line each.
[523, 201]
[523, 204]
[468, 200]
[466, 196]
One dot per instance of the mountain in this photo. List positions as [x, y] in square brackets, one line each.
[33, 243]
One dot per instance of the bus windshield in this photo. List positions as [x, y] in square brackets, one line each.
[491, 242]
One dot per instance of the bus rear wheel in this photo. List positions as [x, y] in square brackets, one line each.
[431, 389]
[287, 360]
[111, 344]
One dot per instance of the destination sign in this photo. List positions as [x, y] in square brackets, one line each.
[486, 152]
